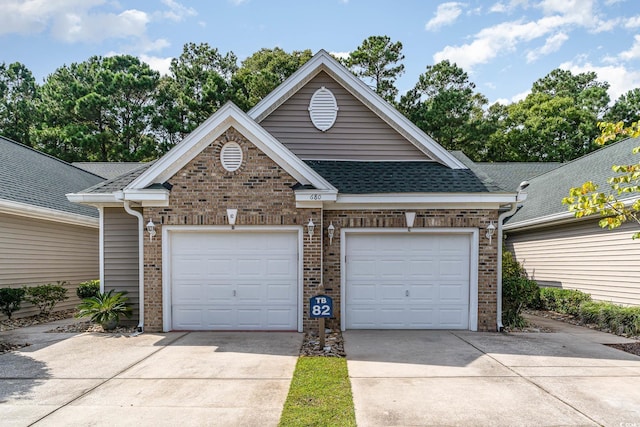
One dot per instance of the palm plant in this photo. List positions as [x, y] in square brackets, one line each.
[105, 309]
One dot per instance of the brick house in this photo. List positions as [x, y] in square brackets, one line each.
[321, 187]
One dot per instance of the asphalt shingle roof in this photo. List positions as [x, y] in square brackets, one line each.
[119, 182]
[546, 191]
[399, 177]
[31, 177]
[107, 170]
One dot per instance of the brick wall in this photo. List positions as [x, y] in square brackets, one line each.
[487, 258]
[203, 190]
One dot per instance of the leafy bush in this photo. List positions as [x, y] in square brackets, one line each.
[105, 308]
[10, 300]
[88, 289]
[613, 317]
[517, 291]
[45, 297]
[562, 300]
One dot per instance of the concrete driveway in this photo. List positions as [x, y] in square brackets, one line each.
[417, 378]
[185, 379]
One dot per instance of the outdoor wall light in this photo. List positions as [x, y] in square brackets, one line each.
[330, 230]
[491, 229]
[410, 217]
[232, 214]
[151, 228]
[310, 227]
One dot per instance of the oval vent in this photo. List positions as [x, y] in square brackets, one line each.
[231, 156]
[323, 109]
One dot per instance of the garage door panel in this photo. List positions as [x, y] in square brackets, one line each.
[234, 281]
[410, 279]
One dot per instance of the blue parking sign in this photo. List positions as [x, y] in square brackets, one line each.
[320, 306]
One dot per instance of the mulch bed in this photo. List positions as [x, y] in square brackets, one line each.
[333, 344]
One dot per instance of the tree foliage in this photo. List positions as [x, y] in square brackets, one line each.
[621, 202]
[377, 59]
[18, 94]
[445, 105]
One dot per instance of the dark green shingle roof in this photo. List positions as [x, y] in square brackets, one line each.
[546, 191]
[119, 182]
[31, 177]
[107, 170]
[399, 177]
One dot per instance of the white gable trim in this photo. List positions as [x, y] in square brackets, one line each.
[228, 116]
[323, 61]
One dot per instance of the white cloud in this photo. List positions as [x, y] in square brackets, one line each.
[501, 7]
[633, 22]
[340, 55]
[498, 8]
[634, 52]
[35, 16]
[621, 79]
[446, 14]
[177, 12]
[552, 44]
[78, 27]
[157, 63]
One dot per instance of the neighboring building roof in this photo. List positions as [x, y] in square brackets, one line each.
[107, 170]
[30, 177]
[399, 177]
[545, 192]
[119, 182]
[506, 175]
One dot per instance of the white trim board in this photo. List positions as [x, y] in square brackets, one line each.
[473, 263]
[46, 214]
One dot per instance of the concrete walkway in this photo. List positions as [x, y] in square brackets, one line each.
[185, 379]
[418, 378]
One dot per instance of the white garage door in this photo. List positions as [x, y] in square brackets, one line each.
[407, 281]
[234, 280]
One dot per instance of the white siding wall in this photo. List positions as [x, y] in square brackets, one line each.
[121, 254]
[35, 252]
[603, 263]
[358, 134]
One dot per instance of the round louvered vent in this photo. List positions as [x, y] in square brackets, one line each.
[231, 156]
[323, 109]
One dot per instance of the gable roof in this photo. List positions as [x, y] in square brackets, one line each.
[31, 178]
[323, 61]
[107, 170]
[399, 177]
[545, 192]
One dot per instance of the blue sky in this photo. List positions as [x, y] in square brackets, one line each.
[505, 45]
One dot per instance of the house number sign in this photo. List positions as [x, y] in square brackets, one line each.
[321, 306]
[315, 196]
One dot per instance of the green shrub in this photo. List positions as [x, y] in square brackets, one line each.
[565, 301]
[10, 300]
[613, 317]
[517, 293]
[105, 308]
[88, 289]
[45, 297]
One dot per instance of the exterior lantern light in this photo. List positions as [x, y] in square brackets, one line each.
[410, 217]
[310, 227]
[491, 229]
[151, 228]
[330, 230]
[232, 214]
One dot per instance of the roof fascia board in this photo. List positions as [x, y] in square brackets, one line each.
[91, 198]
[46, 214]
[323, 61]
[227, 116]
[467, 198]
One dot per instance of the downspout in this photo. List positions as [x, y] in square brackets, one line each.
[520, 197]
[138, 215]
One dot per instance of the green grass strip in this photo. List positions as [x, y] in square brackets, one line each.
[320, 394]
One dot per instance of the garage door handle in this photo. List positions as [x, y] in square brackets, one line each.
[406, 293]
[234, 293]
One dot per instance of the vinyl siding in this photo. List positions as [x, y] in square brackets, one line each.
[121, 254]
[36, 252]
[358, 133]
[603, 263]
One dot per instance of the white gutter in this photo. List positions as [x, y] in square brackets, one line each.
[138, 215]
[520, 197]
